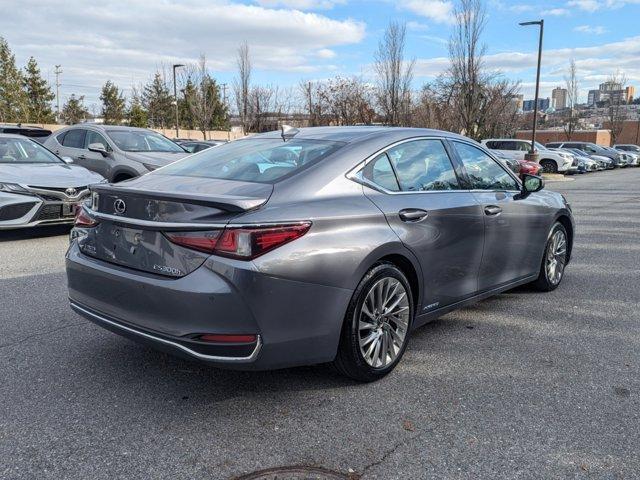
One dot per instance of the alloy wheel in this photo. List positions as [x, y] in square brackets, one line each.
[383, 322]
[556, 257]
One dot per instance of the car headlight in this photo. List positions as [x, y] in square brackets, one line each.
[12, 188]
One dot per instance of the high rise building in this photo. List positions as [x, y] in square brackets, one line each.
[559, 98]
[543, 104]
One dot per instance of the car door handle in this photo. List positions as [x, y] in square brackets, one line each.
[412, 214]
[492, 210]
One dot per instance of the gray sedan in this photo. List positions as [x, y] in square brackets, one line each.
[36, 186]
[307, 246]
[115, 152]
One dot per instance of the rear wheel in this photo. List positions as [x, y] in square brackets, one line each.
[549, 166]
[377, 325]
[554, 260]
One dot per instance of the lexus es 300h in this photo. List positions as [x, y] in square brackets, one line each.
[316, 245]
[37, 187]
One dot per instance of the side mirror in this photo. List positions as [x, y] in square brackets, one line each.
[99, 148]
[67, 159]
[531, 184]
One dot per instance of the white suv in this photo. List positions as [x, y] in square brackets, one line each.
[550, 161]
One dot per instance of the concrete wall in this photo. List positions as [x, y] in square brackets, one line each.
[601, 137]
[171, 133]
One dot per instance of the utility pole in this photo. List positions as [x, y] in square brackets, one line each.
[224, 102]
[57, 72]
[532, 154]
[175, 95]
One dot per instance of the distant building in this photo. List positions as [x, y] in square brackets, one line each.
[518, 100]
[593, 98]
[543, 104]
[559, 98]
[611, 93]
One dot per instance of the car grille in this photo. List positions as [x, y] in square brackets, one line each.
[11, 212]
[79, 189]
[57, 194]
[50, 212]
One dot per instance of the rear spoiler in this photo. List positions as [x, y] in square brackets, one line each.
[230, 203]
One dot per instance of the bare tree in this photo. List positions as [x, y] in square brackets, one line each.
[616, 112]
[394, 74]
[242, 85]
[571, 116]
[466, 53]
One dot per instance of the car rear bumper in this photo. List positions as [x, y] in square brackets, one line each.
[295, 323]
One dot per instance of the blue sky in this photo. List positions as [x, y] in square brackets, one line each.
[292, 40]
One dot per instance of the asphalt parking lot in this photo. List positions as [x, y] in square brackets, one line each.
[524, 385]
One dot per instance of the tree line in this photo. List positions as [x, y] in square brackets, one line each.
[467, 98]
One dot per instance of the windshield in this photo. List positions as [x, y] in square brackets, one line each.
[142, 141]
[539, 146]
[18, 150]
[258, 160]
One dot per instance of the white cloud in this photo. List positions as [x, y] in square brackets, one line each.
[326, 53]
[594, 30]
[555, 12]
[437, 10]
[417, 26]
[126, 40]
[595, 5]
[301, 4]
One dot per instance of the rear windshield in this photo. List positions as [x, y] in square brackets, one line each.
[18, 150]
[258, 160]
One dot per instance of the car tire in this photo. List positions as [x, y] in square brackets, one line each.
[549, 166]
[377, 325]
[554, 259]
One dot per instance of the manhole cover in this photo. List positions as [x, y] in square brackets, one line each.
[294, 473]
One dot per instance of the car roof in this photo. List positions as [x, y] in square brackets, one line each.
[106, 128]
[359, 133]
[15, 135]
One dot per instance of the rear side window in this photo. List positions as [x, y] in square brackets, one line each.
[380, 172]
[423, 165]
[74, 138]
[261, 160]
[484, 172]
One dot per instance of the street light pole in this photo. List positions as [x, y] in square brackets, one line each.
[532, 155]
[175, 95]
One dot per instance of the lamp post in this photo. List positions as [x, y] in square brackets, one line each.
[175, 95]
[532, 155]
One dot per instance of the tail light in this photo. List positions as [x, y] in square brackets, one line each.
[83, 219]
[244, 243]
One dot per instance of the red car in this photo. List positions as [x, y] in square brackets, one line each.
[531, 168]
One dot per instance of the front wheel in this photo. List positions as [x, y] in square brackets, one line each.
[377, 325]
[554, 260]
[549, 166]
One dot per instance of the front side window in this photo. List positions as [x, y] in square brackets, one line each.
[484, 172]
[261, 160]
[94, 137]
[74, 138]
[14, 150]
[423, 165]
[142, 141]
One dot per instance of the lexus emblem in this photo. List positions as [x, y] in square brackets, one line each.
[119, 206]
[71, 192]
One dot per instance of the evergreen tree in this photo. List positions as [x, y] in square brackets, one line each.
[186, 118]
[113, 104]
[158, 101]
[137, 114]
[13, 100]
[39, 94]
[74, 110]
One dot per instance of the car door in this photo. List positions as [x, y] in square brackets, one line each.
[515, 226]
[415, 185]
[73, 145]
[97, 161]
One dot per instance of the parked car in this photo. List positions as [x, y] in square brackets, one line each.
[328, 244]
[36, 186]
[591, 149]
[633, 158]
[117, 153]
[35, 133]
[603, 163]
[194, 146]
[551, 162]
[627, 147]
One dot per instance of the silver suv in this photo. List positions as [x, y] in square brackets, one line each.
[115, 152]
